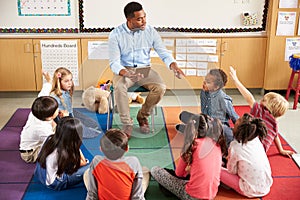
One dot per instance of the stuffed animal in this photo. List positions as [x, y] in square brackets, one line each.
[104, 85]
[136, 97]
[96, 99]
[132, 96]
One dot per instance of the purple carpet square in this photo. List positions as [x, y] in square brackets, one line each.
[19, 118]
[10, 138]
[13, 191]
[13, 169]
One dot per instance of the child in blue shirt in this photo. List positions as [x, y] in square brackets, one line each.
[215, 103]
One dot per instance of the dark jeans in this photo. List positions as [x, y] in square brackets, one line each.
[60, 183]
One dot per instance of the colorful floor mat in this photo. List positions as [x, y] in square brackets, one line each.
[285, 173]
[161, 148]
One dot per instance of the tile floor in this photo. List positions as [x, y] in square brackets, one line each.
[289, 125]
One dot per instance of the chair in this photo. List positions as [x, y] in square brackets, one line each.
[134, 88]
[296, 88]
[294, 62]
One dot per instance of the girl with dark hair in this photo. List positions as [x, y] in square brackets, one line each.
[248, 169]
[61, 164]
[201, 160]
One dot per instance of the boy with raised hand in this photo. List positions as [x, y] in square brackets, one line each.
[272, 106]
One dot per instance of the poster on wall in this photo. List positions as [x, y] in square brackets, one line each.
[286, 23]
[60, 53]
[292, 46]
[44, 8]
[288, 3]
[98, 50]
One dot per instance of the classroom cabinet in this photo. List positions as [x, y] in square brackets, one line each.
[17, 69]
[21, 64]
[247, 56]
[277, 70]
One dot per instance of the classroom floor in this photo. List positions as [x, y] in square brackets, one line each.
[289, 126]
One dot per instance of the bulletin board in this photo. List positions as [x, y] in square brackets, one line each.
[39, 16]
[208, 16]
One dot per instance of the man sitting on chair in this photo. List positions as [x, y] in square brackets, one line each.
[129, 48]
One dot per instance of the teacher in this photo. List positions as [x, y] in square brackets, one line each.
[129, 48]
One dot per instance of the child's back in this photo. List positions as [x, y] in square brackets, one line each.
[114, 176]
[39, 124]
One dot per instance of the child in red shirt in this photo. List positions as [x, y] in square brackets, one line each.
[115, 176]
[271, 107]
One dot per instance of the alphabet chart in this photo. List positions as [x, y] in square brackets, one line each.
[44, 8]
[60, 53]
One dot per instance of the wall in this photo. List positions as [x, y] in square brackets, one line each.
[186, 15]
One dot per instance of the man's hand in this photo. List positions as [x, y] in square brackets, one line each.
[134, 77]
[177, 71]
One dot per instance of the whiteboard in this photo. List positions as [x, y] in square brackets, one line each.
[103, 15]
[177, 14]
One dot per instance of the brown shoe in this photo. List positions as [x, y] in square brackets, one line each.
[127, 130]
[143, 122]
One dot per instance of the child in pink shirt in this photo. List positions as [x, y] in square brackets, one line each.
[201, 159]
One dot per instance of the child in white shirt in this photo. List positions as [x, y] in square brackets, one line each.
[39, 124]
[248, 169]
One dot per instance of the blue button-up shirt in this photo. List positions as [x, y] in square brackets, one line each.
[132, 48]
[67, 104]
[218, 105]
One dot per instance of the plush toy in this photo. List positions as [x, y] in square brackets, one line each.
[136, 97]
[104, 85]
[96, 99]
[132, 96]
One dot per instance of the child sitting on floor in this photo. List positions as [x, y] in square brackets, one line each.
[40, 123]
[62, 90]
[61, 164]
[248, 169]
[200, 159]
[115, 176]
[271, 107]
[215, 103]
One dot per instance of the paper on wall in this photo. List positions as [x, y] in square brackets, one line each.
[292, 46]
[286, 23]
[60, 53]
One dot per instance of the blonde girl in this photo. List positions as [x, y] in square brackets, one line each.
[62, 90]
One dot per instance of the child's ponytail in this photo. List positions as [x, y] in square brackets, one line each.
[249, 128]
[261, 129]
